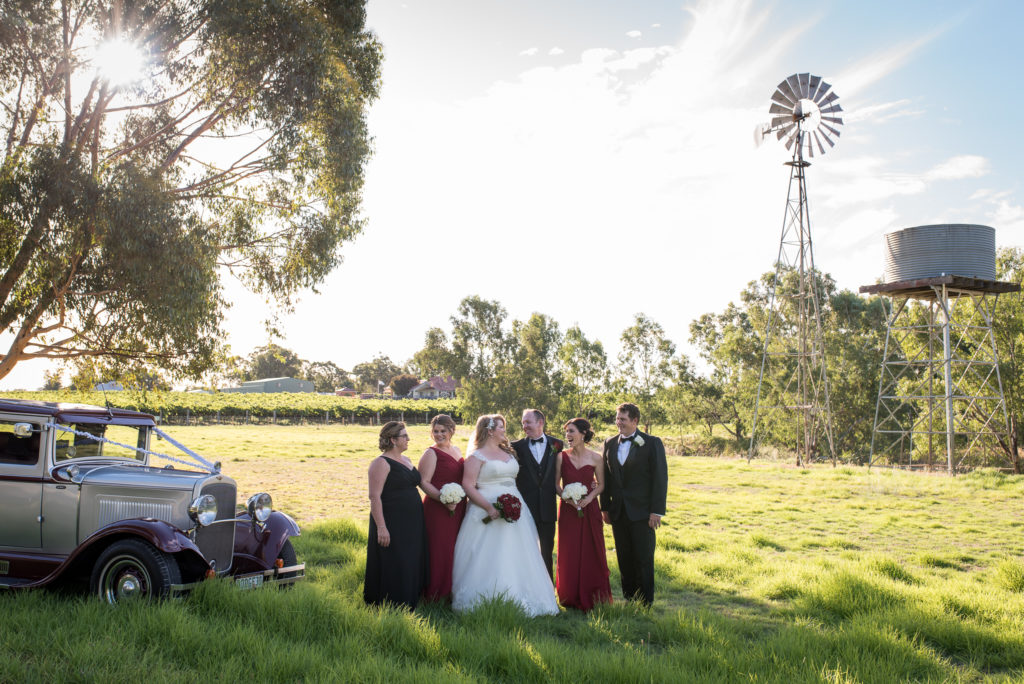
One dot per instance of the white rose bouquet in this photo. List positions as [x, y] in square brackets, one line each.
[575, 492]
[452, 493]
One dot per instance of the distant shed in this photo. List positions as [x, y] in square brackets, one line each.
[269, 385]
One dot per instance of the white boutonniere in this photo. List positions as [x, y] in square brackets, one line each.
[639, 441]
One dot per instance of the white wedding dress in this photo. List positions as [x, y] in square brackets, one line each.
[500, 559]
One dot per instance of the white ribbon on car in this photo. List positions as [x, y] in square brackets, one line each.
[96, 438]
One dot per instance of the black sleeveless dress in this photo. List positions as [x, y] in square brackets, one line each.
[398, 573]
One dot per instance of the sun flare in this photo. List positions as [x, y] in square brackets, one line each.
[119, 62]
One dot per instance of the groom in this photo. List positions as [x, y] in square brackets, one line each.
[536, 454]
[633, 501]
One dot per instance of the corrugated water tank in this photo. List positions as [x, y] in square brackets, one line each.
[962, 249]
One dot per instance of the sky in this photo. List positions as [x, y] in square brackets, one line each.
[594, 159]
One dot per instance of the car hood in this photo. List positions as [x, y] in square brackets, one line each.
[127, 475]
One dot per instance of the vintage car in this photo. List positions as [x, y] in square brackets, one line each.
[82, 500]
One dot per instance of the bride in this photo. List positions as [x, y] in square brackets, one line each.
[499, 559]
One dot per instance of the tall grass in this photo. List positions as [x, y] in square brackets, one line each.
[764, 573]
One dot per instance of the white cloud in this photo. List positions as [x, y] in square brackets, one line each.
[555, 51]
[880, 113]
[962, 166]
[643, 151]
[634, 34]
[529, 52]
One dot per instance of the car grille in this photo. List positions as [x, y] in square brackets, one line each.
[217, 541]
[114, 508]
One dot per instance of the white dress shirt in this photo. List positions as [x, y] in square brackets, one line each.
[624, 448]
[537, 448]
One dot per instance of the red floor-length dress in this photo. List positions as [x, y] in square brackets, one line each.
[582, 575]
[442, 528]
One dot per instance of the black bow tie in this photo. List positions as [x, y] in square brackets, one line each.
[539, 440]
[627, 439]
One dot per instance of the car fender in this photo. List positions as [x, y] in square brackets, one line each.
[161, 534]
[257, 546]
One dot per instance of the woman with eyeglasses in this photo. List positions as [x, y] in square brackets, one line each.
[397, 564]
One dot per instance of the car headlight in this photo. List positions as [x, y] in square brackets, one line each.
[260, 506]
[203, 510]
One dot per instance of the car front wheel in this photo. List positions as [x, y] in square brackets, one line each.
[131, 569]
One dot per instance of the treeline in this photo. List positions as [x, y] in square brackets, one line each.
[505, 365]
[176, 406]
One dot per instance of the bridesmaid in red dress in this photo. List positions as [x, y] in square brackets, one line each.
[439, 465]
[582, 575]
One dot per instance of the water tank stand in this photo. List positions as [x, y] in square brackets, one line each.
[940, 396]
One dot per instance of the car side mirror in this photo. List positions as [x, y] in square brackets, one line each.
[23, 430]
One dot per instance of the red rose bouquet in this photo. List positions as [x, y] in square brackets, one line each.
[509, 506]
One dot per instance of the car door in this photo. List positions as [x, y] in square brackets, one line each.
[21, 484]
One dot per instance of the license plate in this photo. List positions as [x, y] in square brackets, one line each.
[249, 582]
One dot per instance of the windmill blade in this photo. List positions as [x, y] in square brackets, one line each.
[794, 84]
[783, 132]
[833, 131]
[815, 82]
[827, 139]
[789, 143]
[786, 90]
[779, 109]
[779, 120]
[829, 99]
[833, 119]
[780, 98]
[822, 90]
[821, 147]
[805, 90]
[810, 148]
[832, 109]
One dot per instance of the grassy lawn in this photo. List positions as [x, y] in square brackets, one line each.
[765, 572]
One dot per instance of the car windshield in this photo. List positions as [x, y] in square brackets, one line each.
[70, 445]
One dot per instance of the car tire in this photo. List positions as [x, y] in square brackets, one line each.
[130, 569]
[288, 558]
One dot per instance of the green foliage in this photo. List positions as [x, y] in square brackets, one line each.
[242, 146]
[645, 365]
[403, 383]
[326, 376]
[731, 343]
[584, 367]
[256, 405]
[273, 361]
[375, 375]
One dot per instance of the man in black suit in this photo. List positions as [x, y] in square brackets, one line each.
[633, 501]
[536, 454]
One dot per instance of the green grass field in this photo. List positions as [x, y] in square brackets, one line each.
[765, 572]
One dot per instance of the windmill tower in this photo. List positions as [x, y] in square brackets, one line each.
[793, 381]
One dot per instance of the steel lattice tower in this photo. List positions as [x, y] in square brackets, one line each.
[793, 379]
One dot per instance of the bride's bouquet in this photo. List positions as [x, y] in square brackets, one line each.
[509, 506]
[575, 492]
[452, 493]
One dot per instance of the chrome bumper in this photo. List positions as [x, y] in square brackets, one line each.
[252, 580]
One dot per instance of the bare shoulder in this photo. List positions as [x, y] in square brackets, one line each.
[378, 466]
[456, 451]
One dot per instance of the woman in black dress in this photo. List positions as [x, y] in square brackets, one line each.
[397, 565]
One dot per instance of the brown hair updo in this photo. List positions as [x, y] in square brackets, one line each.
[583, 425]
[445, 421]
[389, 433]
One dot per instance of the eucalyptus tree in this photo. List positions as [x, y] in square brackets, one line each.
[151, 145]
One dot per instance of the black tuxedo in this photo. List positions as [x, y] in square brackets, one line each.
[633, 491]
[536, 483]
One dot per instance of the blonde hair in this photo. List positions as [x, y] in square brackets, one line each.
[485, 424]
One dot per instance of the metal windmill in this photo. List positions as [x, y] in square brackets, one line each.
[806, 115]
